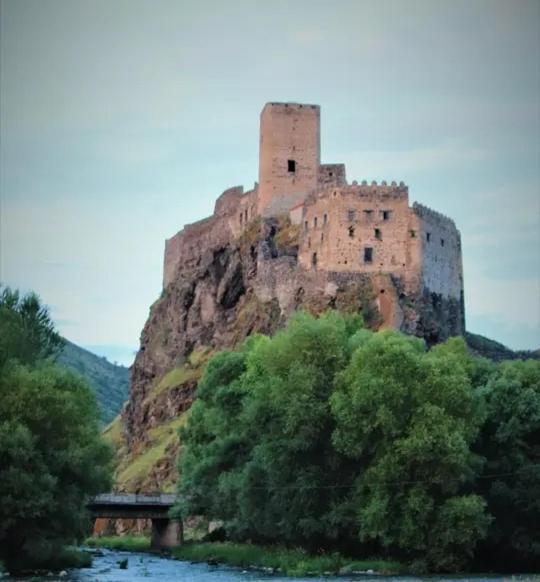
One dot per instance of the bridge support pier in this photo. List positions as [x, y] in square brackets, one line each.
[166, 534]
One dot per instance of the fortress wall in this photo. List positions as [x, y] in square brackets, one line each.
[331, 175]
[440, 242]
[289, 155]
[361, 217]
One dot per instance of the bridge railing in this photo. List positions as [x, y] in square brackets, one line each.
[134, 499]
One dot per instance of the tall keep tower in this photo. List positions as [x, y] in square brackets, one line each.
[289, 155]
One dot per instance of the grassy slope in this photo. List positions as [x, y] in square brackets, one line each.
[134, 471]
[109, 381]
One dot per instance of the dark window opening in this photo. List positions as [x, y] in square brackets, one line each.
[241, 217]
[291, 165]
[245, 216]
[325, 219]
[309, 243]
[306, 226]
[330, 173]
[428, 236]
[368, 255]
[351, 215]
[378, 234]
[351, 231]
[442, 242]
[322, 236]
[315, 222]
[368, 214]
[413, 233]
[386, 214]
[382, 290]
[314, 259]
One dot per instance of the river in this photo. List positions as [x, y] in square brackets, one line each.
[145, 567]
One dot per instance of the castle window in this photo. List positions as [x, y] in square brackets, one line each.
[428, 236]
[315, 222]
[245, 215]
[413, 233]
[306, 226]
[314, 260]
[331, 173]
[368, 214]
[325, 219]
[241, 216]
[385, 214]
[291, 166]
[368, 255]
[442, 242]
[351, 231]
[322, 236]
[378, 234]
[351, 215]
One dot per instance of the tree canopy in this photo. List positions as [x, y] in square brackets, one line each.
[51, 453]
[331, 436]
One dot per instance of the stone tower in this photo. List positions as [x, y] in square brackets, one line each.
[289, 155]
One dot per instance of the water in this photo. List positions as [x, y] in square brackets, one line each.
[146, 567]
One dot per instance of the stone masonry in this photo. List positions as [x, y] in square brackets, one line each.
[344, 228]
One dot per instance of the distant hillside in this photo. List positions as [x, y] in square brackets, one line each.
[488, 348]
[109, 381]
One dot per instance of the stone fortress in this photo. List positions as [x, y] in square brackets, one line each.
[345, 234]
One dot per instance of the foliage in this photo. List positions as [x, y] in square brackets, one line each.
[51, 454]
[511, 444]
[27, 333]
[110, 382]
[292, 562]
[125, 543]
[331, 436]
[496, 351]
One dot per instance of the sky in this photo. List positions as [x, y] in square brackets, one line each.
[122, 121]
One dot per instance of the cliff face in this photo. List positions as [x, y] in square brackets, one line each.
[235, 288]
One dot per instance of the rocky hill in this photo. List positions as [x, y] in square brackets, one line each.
[110, 382]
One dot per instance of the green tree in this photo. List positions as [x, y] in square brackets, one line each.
[27, 333]
[409, 418]
[258, 451]
[510, 441]
[51, 454]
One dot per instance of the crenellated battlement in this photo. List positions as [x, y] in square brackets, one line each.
[433, 216]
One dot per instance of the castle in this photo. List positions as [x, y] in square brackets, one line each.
[410, 254]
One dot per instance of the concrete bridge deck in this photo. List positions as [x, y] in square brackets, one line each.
[166, 532]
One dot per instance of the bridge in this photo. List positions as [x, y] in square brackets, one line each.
[166, 532]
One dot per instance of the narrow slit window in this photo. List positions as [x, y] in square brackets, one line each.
[428, 236]
[351, 231]
[386, 214]
[413, 233]
[291, 165]
[378, 234]
[442, 242]
[325, 219]
[314, 259]
[368, 255]
[306, 226]
[315, 222]
[241, 217]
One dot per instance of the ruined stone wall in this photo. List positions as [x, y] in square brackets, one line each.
[440, 241]
[360, 228]
[331, 175]
[289, 155]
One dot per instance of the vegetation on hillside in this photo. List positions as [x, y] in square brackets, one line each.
[488, 348]
[51, 454]
[110, 382]
[334, 438]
